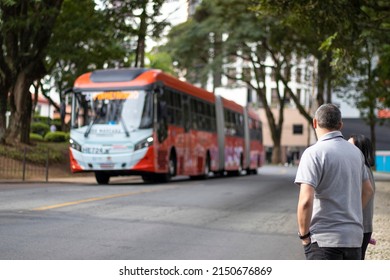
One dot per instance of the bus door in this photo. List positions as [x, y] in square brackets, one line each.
[187, 151]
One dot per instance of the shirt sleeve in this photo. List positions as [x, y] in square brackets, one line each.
[365, 173]
[308, 170]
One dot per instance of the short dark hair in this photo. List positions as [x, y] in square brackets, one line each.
[328, 116]
[365, 145]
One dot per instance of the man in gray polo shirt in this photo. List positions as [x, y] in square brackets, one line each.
[334, 188]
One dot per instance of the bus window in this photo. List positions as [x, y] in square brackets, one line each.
[133, 109]
[194, 121]
[162, 117]
[107, 111]
[147, 114]
[81, 115]
[186, 114]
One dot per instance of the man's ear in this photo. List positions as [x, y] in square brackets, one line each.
[315, 124]
[341, 125]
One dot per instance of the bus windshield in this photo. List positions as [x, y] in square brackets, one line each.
[130, 109]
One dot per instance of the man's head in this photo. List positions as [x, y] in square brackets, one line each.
[328, 117]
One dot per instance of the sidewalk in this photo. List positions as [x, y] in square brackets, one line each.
[382, 176]
[90, 178]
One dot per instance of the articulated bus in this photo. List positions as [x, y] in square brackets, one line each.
[138, 121]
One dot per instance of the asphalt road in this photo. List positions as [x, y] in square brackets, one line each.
[238, 218]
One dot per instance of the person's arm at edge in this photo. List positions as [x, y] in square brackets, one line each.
[367, 192]
[305, 210]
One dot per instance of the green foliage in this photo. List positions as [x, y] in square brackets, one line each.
[354, 22]
[36, 137]
[25, 31]
[57, 136]
[161, 60]
[82, 40]
[38, 153]
[41, 119]
[327, 44]
[56, 122]
[189, 46]
[384, 63]
[40, 128]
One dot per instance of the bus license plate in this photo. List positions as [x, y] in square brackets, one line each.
[95, 150]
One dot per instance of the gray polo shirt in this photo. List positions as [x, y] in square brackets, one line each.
[335, 169]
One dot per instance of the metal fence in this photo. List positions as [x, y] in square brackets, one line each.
[22, 169]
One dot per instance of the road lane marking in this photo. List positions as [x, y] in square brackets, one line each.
[76, 202]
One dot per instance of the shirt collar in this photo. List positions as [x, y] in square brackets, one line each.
[331, 135]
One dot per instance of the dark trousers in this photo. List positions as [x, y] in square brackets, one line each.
[366, 240]
[314, 252]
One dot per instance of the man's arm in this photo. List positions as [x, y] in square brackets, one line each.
[367, 192]
[304, 210]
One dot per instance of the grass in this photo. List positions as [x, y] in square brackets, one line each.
[33, 160]
[37, 152]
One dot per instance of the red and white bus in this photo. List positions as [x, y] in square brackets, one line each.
[144, 122]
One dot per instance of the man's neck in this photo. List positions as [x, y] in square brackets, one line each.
[322, 131]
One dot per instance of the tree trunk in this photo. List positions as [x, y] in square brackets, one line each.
[3, 110]
[5, 84]
[276, 154]
[21, 106]
[273, 127]
[140, 52]
[321, 82]
[328, 78]
[217, 69]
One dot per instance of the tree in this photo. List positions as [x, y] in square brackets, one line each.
[367, 81]
[350, 35]
[362, 88]
[315, 22]
[136, 19]
[25, 28]
[383, 73]
[246, 35]
[83, 40]
[188, 45]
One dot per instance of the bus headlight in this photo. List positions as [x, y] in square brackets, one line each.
[144, 143]
[75, 145]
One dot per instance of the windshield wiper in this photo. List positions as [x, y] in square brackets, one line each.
[124, 127]
[89, 127]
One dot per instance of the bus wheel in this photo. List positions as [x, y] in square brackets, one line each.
[238, 171]
[153, 178]
[206, 170]
[164, 177]
[172, 165]
[102, 178]
[241, 166]
[252, 171]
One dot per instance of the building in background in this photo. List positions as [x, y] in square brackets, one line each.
[44, 108]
